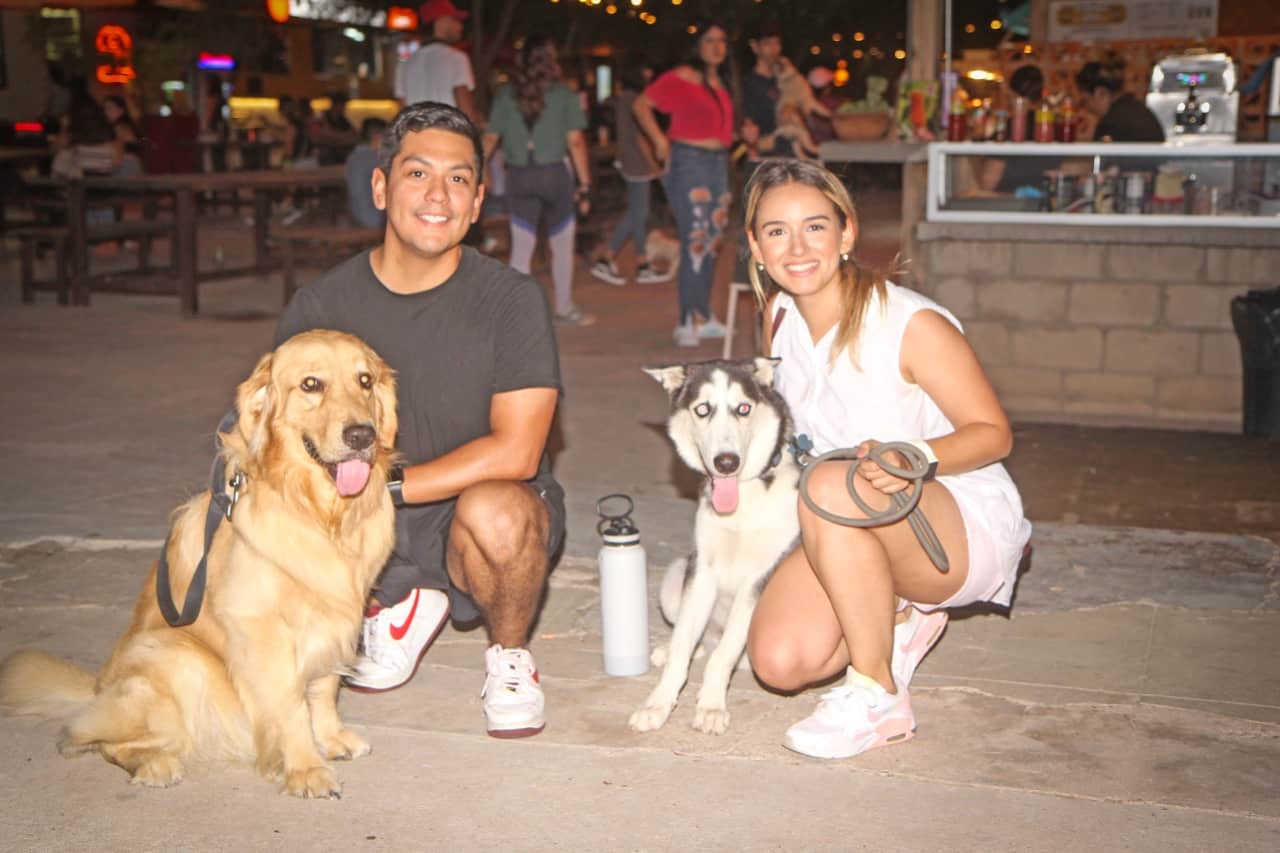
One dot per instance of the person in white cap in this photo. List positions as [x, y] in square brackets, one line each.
[438, 71]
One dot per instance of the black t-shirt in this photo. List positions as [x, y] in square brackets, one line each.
[485, 330]
[1129, 120]
[760, 104]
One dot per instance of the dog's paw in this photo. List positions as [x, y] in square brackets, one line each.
[158, 771]
[312, 783]
[271, 767]
[649, 718]
[344, 745]
[713, 721]
[658, 657]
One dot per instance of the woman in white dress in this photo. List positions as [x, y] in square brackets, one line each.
[864, 362]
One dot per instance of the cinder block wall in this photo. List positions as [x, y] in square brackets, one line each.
[1125, 326]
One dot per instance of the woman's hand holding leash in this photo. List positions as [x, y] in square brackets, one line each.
[880, 479]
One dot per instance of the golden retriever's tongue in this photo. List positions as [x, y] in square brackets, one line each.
[351, 477]
[724, 494]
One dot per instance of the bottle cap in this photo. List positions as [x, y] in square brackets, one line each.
[615, 525]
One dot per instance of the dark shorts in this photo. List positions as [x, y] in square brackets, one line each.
[422, 541]
[540, 194]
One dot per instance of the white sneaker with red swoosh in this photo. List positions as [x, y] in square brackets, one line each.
[395, 639]
[513, 702]
[856, 716]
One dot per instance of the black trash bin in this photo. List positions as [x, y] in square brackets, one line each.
[1256, 316]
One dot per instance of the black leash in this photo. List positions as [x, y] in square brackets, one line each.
[901, 504]
[220, 506]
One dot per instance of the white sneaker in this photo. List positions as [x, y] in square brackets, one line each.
[857, 716]
[913, 639]
[686, 335]
[646, 274]
[608, 272]
[513, 702]
[713, 328]
[395, 639]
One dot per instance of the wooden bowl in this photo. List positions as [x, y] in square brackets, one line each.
[861, 127]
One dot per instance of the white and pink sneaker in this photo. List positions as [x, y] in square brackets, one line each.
[856, 716]
[913, 639]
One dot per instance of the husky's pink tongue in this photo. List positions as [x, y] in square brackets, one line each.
[351, 477]
[724, 494]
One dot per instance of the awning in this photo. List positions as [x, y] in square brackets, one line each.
[190, 5]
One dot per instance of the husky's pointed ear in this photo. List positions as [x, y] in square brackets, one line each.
[254, 400]
[764, 369]
[670, 377]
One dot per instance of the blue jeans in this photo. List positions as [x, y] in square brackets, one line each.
[697, 185]
[634, 224]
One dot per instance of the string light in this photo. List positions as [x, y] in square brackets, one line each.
[611, 9]
[899, 54]
[858, 37]
[996, 24]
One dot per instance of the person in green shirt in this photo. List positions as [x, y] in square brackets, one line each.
[539, 123]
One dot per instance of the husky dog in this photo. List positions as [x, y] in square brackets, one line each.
[728, 423]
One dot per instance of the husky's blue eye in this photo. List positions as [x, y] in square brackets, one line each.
[744, 409]
[702, 409]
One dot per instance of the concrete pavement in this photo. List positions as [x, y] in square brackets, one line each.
[1130, 700]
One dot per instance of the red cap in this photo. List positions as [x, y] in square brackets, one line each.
[433, 10]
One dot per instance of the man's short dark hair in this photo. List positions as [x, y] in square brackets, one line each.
[764, 30]
[1108, 74]
[371, 127]
[1028, 81]
[429, 115]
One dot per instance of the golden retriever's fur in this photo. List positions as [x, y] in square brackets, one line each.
[255, 677]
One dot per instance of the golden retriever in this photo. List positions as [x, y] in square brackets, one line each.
[255, 677]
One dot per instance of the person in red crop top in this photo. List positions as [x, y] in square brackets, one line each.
[695, 153]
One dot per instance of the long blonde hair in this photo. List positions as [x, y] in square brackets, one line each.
[857, 282]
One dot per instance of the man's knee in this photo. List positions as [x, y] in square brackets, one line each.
[503, 519]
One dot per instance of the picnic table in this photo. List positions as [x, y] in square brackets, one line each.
[13, 159]
[183, 189]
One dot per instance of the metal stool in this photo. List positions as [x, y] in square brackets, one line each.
[736, 290]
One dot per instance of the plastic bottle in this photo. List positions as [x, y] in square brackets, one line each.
[1044, 122]
[1065, 125]
[624, 592]
[1018, 120]
[957, 120]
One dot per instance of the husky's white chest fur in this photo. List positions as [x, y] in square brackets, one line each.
[729, 424]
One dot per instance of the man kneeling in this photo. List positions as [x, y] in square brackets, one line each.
[478, 513]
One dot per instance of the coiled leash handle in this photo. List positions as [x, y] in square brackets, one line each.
[901, 504]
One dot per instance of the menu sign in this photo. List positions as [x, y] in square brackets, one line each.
[1126, 20]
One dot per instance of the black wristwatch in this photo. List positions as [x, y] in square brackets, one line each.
[395, 485]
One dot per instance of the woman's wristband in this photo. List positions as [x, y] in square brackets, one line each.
[929, 457]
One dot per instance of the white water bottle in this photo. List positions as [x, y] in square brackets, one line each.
[624, 591]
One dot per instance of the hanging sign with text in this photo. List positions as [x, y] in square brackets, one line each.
[1130, 20]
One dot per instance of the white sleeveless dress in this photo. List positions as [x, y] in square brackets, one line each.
[841, 406]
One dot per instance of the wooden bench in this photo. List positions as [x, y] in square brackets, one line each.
[328, 238]
[55, 237]
[50, 201]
